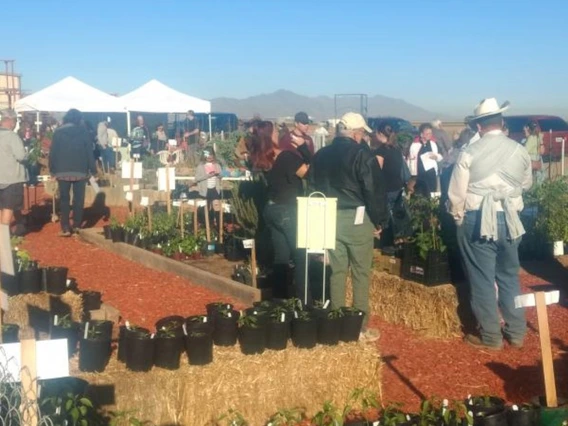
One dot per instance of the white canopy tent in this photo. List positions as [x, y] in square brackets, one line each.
[156, 97]
[66, 94]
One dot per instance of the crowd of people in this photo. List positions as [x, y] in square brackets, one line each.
[480, 176]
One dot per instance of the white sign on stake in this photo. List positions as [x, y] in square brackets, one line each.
[129, 196]
[52, 360]
[162, 178]
[526, 300]
[134, 188]
[248, 243]
[144, 201]
[176, 203]
[137, 173]
[172, 142]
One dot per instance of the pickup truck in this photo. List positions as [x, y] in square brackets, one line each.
[554, 130]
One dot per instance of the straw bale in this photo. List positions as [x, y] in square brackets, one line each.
[431, 311]
[18, 312]
[257, 386]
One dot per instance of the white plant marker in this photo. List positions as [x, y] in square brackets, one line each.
[326, 304]
[540, 299]
[184, 329]
[55, 320]
[86, 330]
[282, 317]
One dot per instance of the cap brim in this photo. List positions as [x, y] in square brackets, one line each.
[368, 129]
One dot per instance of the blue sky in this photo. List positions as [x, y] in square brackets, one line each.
[443, 55]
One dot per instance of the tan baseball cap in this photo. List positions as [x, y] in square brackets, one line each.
[354, 121]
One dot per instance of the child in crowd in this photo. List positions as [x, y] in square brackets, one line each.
[208, 180]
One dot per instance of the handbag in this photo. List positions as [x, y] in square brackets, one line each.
[400, 217]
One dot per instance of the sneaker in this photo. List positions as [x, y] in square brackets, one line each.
[65, 234]
[369, 335]
[476, 342]
[516, 344]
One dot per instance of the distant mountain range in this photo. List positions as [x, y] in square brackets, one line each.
[284, 104]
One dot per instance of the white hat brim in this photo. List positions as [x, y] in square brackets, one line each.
[503, 108]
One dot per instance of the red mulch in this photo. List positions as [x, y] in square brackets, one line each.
[415, 367]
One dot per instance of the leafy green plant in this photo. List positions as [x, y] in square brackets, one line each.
[115, 224]
[24, 261]
[16, 241]
[335, 313]
[425, 213]
[167, 331]
[552, 203]
[330, 415]
[232, 418]
[249, 321]
[65, 321]
[302, 316]
[245, 211]
[293, 303]
[393, 415]
[151, 162]
[225, 151]
[277, 311]
[287, 417]
[126, 418]
[74, 410]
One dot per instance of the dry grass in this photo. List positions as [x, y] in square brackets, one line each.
[19, 306]
[256, 385]
[431, 311]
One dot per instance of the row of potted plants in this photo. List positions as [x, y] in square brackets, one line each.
[362, 408]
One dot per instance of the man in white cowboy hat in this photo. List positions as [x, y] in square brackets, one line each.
[485, 198]
[347, 170]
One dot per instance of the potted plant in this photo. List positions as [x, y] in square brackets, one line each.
[29, 274]
[107, 232]
[425, 258]
[351, 324]
[367, 408]
[140, 349]
[56, 279]
[172, 322]
[287, 417]
[552, 208]
[199, 347]
[94, 348]
[10, 333]
[116, 231]
[91, 300]
[523, 415]
[169, 345]
[329, 415]
[123, 331]
[329, 327]
[252, 335]
[278, 329]
[225, 327]
[392, 415]
[487, 410]
[304, 330]
[212, 308]
[198, 322]
[64, 328]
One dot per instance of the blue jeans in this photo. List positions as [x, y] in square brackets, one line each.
[107, 156]
[65, 202]
[487, 263]
[281, 221]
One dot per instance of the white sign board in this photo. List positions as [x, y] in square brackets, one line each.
[51, 363]
[137, 172]
[134, 188]
[162, 178]
[129, 196]
[248, 244]
[144, 201]
[527, 300]
[317, 217]
[172, 142]
[198, 203]
[3, 301]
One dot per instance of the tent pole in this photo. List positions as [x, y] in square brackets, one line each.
[127, 123]
[210, 128]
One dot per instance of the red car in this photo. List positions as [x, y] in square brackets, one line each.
[554, 130]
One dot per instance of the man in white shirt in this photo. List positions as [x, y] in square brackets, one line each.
[485, 196]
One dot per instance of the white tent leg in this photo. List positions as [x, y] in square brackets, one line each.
[210, 128]
[127, 123]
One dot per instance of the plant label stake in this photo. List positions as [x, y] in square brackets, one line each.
[28, 377]
[145, 202]
[181, 218]
[195, 218]
[207, 225]
[168, 204]
[250, 244]
[540, 299]
[221, 212]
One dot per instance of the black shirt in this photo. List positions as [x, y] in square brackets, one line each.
[190, 126]
[283, 183]
[392, 166]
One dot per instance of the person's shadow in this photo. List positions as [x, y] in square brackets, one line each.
[97, 211]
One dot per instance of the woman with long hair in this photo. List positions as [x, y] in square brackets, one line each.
[535, 146]
[283, 171]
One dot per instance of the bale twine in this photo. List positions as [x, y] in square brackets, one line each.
[431, 311]
[19, 306]
[257, 386]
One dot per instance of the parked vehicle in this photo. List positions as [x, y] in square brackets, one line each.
[554, 130]
[399, 125]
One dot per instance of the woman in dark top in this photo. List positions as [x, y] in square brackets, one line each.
[283, 171]
[391, 161]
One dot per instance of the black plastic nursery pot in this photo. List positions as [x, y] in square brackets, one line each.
[94, 354]
[351, 325]
[117, 235]
[219, 248]
[252, 339]
[30, 281]
[130, 237]
[329, 330]
[140, 349]
[196, 323]
[56, 279]
[524, 416]
[107, 232]
[199, 347]
[212, 308]
[10, 333]
[168, 350]
[173, 323]
[123, 332]
[234, 251]
[498, 418]
[225, 330]
[485, 406]
[69, 333]
[304, 332]
[91, 300]
[278, 334]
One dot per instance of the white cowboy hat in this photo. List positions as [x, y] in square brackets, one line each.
[489, 107]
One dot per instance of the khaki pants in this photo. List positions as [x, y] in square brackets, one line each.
[353, 250]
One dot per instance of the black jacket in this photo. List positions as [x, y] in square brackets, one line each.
[71, 152]
[349, 172]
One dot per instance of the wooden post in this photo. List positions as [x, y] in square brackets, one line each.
[150, 218]
[131, 185]
[1, 313]
[168, 204]
[221, 224]
[28, 377]
[546, 350]
[253, 264]
[207, 226]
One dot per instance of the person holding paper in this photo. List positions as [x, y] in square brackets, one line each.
[424, 157]
[208, 180]
[71, 162]
[284, 171]
[346, 170]
[485, 198]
